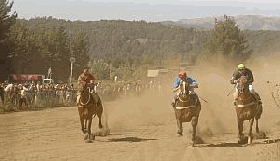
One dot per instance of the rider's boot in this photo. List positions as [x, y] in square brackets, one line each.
[173, 103]
[235, 102]
[235, 97]
[257, 98]
[78, 98]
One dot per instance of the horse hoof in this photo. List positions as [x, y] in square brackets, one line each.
[86, 137]
[250, 140]
[91, 137]
[193, 143]
[179, 133]
[243, 140]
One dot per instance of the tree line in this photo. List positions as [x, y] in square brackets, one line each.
[118, 47]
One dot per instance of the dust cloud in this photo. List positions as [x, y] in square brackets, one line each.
[218, 114]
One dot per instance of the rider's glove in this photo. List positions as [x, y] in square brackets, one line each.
[233, 81]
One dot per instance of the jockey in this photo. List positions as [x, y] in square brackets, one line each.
[175, 87]
[244, 71]
[86, 79]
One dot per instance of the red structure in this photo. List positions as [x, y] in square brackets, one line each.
[26, 77]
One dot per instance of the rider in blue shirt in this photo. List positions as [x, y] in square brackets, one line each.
[175, 87]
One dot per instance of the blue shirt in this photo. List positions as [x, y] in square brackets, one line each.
[190, 80]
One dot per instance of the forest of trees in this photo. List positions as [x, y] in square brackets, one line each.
[117, 47]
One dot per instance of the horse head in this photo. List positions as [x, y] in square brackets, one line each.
[184, 91]
[243, 85]
[85, 95]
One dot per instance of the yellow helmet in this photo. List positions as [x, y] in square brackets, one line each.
[241, 66]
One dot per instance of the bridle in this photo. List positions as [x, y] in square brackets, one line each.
[184, 91]
[90, 91]
[242, 85]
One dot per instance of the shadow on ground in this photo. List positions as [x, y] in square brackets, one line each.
[129, 139]
[266, 141]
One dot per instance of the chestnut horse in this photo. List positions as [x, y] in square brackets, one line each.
[247, 108]
[187, 109]
[89, 108]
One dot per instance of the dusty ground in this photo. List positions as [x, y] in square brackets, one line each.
[144, 128]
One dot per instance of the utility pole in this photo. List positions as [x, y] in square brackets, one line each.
[72, 61]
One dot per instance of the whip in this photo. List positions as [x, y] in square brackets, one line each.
[231, 90]
[203, 99]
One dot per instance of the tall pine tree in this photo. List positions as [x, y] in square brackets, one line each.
[6, 21]
[228, 42]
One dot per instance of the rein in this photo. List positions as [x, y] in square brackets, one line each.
[183, 100]
[243, 90]
[90, 91]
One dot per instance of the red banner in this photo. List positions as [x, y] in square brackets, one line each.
[26, 77]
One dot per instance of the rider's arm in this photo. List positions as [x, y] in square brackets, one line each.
[81, 81]
[234, 77]
[25, 89]
[193, 82]
[176, 85]
[250, 76]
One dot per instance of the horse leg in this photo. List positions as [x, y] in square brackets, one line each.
[100, 111]
[99, 115]
[91, 136]
[82, 124]
[86, 136]
[257, 126]
[89, 121]
[240, 131]
[85, 125]
[250, 138]
[99, 122]
[194, 125]
[180, 127]
[257, 117]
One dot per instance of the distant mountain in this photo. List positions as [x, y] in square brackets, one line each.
[250, 22]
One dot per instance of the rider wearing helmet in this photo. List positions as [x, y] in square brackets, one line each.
[192, 83]
[244, 71]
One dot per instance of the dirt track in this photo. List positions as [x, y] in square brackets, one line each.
[144, 129]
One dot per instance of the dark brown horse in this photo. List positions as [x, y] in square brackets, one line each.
[247, 108]
[89, 108]
[187, 109]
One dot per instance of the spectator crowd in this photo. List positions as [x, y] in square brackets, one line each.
[30, 95]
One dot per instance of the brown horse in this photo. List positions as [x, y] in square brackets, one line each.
[187, 109]
[89, 108]
[247, 108]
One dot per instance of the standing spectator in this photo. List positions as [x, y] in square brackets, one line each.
[22, 99]
[2, 93]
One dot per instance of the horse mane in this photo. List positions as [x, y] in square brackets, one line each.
[243, 80]
[244, 94]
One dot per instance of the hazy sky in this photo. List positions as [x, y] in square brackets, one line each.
[148, 10]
